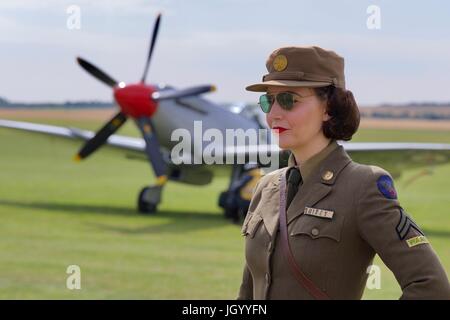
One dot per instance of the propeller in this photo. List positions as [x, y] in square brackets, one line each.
[96, 72]
[138, 101]
[176, 94]
[101, 136]
[152, 148]
[152, 45]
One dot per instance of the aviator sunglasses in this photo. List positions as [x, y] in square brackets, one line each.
[286, 100]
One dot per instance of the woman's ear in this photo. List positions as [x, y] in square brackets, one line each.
[325, 116]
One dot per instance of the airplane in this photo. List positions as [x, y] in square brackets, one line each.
[159, 110]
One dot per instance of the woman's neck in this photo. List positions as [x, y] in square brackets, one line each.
[304, 152]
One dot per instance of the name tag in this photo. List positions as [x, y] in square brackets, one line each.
[321, 213]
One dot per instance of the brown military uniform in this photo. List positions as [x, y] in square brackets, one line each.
[360, 216]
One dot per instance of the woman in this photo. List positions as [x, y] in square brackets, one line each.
[313, 228]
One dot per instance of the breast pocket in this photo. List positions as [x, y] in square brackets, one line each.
[317, 228]
[251, 224]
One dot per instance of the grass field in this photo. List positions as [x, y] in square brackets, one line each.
[55, 213]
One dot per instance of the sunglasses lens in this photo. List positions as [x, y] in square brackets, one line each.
[265, 101]
[285, 100]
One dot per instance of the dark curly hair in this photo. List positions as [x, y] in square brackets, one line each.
[343, 111]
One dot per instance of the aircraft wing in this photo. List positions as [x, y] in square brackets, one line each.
[393, 156]
[399, 156]
[128, 143]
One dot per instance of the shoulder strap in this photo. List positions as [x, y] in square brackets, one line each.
[302, 279]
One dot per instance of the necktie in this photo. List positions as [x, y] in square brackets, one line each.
[293, 183]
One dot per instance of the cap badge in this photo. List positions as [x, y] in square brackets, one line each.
[280, 62]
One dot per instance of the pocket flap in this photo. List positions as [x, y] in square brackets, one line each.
[251, 225]
[316, 227]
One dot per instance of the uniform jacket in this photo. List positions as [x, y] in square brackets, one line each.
[335, 252]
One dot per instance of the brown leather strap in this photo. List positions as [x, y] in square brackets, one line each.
[304, 281]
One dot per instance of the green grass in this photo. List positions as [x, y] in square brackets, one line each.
[55, 213]
[403, 135]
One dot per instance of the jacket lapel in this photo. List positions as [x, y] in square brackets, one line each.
[270, 199]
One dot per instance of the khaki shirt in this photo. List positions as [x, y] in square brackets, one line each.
[359, 216]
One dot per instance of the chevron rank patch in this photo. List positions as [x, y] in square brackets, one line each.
[405, 224]
[386, 187]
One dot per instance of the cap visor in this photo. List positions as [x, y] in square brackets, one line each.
[262, 87]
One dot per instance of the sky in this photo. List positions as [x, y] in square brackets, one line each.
[221, 42]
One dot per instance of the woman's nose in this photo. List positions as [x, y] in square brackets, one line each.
[276, 112]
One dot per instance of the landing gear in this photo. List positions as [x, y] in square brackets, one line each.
[228, 202]
[235, 208]
[149, 198]
[236, 200]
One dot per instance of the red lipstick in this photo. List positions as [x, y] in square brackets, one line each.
[279, 129]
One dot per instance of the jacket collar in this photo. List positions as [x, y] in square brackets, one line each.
[312, 163]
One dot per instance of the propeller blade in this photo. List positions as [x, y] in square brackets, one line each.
[152, 148]
[152, 46]
[101, 136]
[96, 72]
[177, 94]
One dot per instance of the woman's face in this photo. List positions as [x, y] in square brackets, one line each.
[303, 123]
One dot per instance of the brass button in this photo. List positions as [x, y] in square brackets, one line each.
[315, 232]
[327, 175]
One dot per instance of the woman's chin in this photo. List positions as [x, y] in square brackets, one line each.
[287, 140]
[285, 145]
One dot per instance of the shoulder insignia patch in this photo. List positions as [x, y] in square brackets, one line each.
[386, 187]
[405, 224]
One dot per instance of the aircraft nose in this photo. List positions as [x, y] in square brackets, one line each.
[134, 100]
